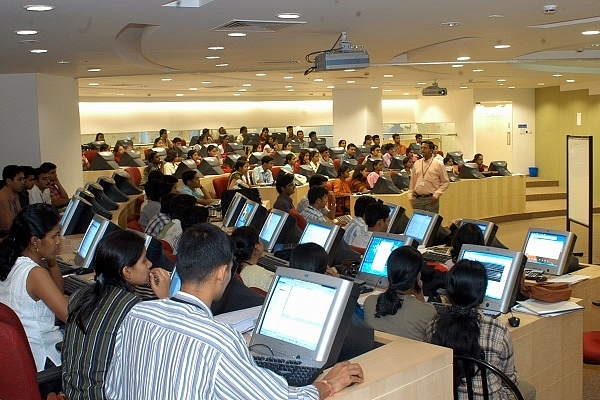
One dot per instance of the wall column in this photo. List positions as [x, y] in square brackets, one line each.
[356, 113]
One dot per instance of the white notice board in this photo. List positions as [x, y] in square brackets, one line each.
[579, 179]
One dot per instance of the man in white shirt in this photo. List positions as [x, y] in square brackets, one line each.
[40, 192]
[357, 225]
[428, 181]
[377, 217]
[262, 175]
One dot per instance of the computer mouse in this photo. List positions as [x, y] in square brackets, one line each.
[514, 321]
[83, 271]
[541, 278]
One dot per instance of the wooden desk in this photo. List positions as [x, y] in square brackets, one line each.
[270, 193]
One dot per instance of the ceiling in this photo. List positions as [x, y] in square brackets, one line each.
[138, 43]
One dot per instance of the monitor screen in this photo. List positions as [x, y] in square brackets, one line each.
[97, 229]
[324, 234]
[272, 229]
[373, 267]
[246, 214]
[88, 238]
[396, 215]
[305, 316]
[234, 209]
[423, 227]
[548, 250]
[488, 229]
[78, 218]
[503, 267]
[67, 212]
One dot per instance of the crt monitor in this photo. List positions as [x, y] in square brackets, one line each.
[327, 169]
[161, 151]
[194, 140]
[306, 171]
[396, 218]
[89, 196]
[370, 161]
[423, 226]
[237, 148]
[275, 228]
[401, 180]
[385, 186]
[488, 229]
[501, 167]
[111, 190]
[210, 166]
[126, 143]
[131, 158]
[256, 157]
[202, 150]
[416, 148]
[548, 250]
[77, 217]
[457, 157]
[336, 152]
[231, 159]
[125, 184]
[279, 137]
[104, 160]
[316, 142]
[373, 266]
[324, 234]
[305, 316]
[397, 162]
[251, 139]
[362, 150]
[470, 171]
[504, 270]
[295, 145]
[95, 145]
[186, 165]
[233, 210]
[97, 229]
[182, 151]
[279, 157]
[351, 164]
[101, 197]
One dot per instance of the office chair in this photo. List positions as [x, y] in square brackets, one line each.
[474, 367]
[19, 379]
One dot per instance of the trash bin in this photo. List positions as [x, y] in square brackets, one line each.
[533, 172]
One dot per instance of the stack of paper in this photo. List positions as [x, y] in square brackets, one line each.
[569, 278]
[544, 309]
[241, 320]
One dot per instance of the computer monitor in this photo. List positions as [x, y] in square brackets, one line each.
[194, 140]
[97, 229]
[161, 151]
[384, 186]
[275, 229]
[305, 316]
[231, 159]
[236, 148]
[234, 209]
[397, 162]
[327, 169]
[77, 217]
[279, 157]
[126, 143]
[423, 227]
[295, 145]
[279, 137]
[457, 157]
[203, 151]
[336, 152]
[416, 148]
[396, 218]
[256, 157]
[501, 167]
[401, 180]
[305, 170]
[316, 142]
[548, 250]
[488, 229]
[351, 164]
[131, 158]
[182, 151]
[246, 213]
[95, 145]
[362, 150]
[104, 160]
[125, 184]
[210, 166]
[186, 165]
[369, 163]
[373, 266]
[101, 197]
[324, 234]
[89, 196]
[251, 139]
[504, 270]
[470, 171]
[110, 189]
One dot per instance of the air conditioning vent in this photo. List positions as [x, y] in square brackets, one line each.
[238, 25]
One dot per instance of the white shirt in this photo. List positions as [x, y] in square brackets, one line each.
[37, 196]
[259, 174]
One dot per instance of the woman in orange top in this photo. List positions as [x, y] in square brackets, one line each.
[359, 180]
[342, 191]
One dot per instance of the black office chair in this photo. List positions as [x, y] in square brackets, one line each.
[482, 368]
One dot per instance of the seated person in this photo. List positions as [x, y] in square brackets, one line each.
[156, 224]
[377, 172]
[96, 312]
[357, 225]
[408, 164]
[104, 147]
[29, 183]
[159, 142]
[375, 152]
[377, 217]
[154, 164]
[359, 182]
[213, 151]
[287, 145]
[468, 332]
[193, 155]
[388, 155]
[401, 310]
[262, 175]
[319, 180]
[172, 230]
[58, 194]
[187, 217]
[40, 192]
[290, 161]
[376, 140]
[13, 181]
[314, 160]
[449, 163]
[155, 189]
[324, 153]
[238, 179]
[399, 148]
[303, 158]
[247, 249]
[317, 199]
[172, 160]
[466, 234]
[118, 152]
[193, 187]
[350, 153]
[478, 159]
[342, 191]
[368, 140]
[186, 325]
[285, 187]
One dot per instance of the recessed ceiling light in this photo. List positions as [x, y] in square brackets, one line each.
[495, 16]
[388, 76]
[501, 84]
[206, 82]
[450, 24]
[193, 88]
[502, 46]
[374, 87]
[216, 48]
[477, 70]
[387, 90]
[318, 80]
[570, 80]
[166, 79]
[93, 84]
[541, 84]
[236, 34]
[63, 62]
[511, 87]
[463, 58]
[330, 87]
[38, 51]
[557, 75]
[350, 81]
[290, 90]
[212, 57]
[350, 70]
[288, 86]
[261, 74]
[28, 41]
[596, 45]
[463, 87]
[26, 32]
[38, 7]
[179, 95]
[288, 77]
[457, 65]
[246, 84]
[241, 90]
[120, 94]
[222, 65]
[500, 80]
[288, 15]
[94, 69]
[405, 94]
[590, 32]
[237, 94]
[421, 83]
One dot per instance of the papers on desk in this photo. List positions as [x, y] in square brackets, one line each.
[361, 299]
[241, 320]
[569, 278]
[544, 309]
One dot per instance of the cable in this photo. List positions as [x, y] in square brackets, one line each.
[264, 345]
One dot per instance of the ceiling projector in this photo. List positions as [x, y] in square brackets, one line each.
[434, 90]
[345, 56]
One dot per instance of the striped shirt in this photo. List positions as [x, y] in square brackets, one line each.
[174, 349]
[86, 356]
[157, 223]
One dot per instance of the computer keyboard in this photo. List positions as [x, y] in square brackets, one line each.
[533, 274]
[491, 313]
[73, 283]
[436, 257]
[271, 263]
[344, 218]
[65, 267]
[293, 371]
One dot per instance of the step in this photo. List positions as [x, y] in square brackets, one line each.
[545, 193]
[540, 182]
[548, 208]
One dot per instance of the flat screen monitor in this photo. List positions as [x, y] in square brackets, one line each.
[126, 143]
[273, 231]
[501, 167]
[384, 185]
[373, 267]
[234, 209]
[488, 229]
[457, 157]
[279, 137]
[97, 229]
[77, 217]
[251, 139]
[316, 142]
[247, 212]
[279, 157]
[336, 152]
[305, 316]
[423, 227]
[470, 171]
[397, 162]
[504, 269]
[396, 216]
[131, 158]
[548, 250]
[327, 169]
[324, 234]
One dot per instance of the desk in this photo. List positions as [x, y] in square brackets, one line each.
[270, 193]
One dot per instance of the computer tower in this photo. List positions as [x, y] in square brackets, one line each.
[104, 160]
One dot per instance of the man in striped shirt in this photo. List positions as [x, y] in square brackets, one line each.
[174, 349]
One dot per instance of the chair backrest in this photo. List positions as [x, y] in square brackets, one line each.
[18, 374]
[474, 367]
[220, 185]
[134, 173]
[300, 220]
[90, 155]
[336, 164]
[135, 225]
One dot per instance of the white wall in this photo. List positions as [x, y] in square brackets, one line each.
[356, 112]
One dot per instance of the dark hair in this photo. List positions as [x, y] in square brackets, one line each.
[171, 156]
[243, 240]
[343, 169]
[476, 156]
[357, 174]
[48, 165]
[467, 234]
[312, 134]
[156, 188]
[315, 193]
[201, 250]
[116, 148]
[10, 171]
[151, 154]
[322, 149]
[255, 146]
[458, 328]
[350, 145]
[448, 158]
[104, 147]
[374, 147]
[114, 252]
[403, 267]
[288, 127]
[157, 139]
[302, 154]
[176, 140]
[35, 220]
[375, 212]
[38, 171]
[28, 170]
[243, 128]
[429, 144]
[155, 175]
[375, 137]
[317, 180]
[395, 135]
[376, 162]
[283, 179]
[165, 203]
[362, 203]
[239, 163]
[340, 142]
[367, 137]
[309, 257]
[98, 135]
[193, 215]
[266, 160]
[190, 153]
[188, 176]
[418, 136]
[211, 147]
[289, 157]
[405, 160]
[388, 146]
[180, 203]
[171, 180]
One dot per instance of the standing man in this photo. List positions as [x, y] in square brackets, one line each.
[428, 181]
[14, 180]
[58, 194]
